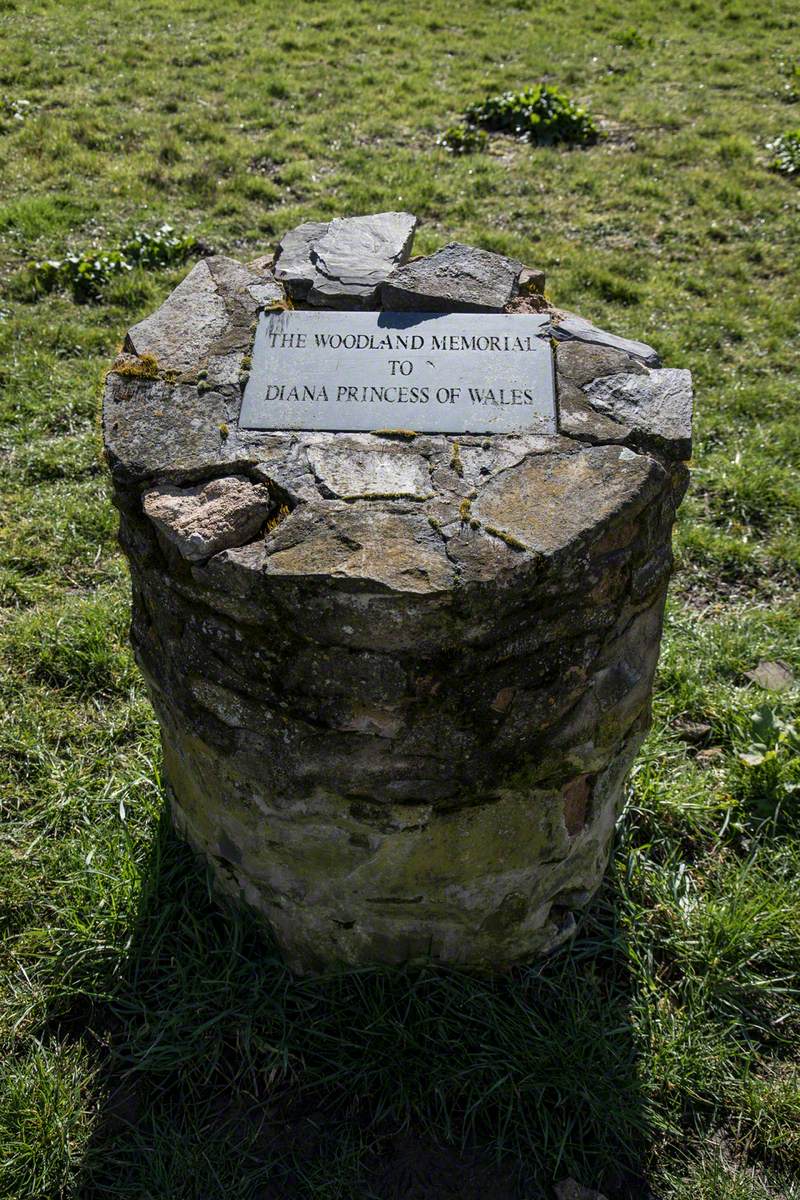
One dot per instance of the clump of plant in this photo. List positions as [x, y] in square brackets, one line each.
[786, 153]
[631, 38]
[86, 274]
[143, 366]
[790, 92]
[463, 139]
[771, 761]
[539, 114]
[13, 111]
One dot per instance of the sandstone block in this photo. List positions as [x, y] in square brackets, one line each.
[203, 520]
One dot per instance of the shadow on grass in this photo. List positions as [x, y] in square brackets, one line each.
[223, 1075]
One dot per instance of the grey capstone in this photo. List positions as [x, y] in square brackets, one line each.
[293, 264]
[342, 263]
[607, 396]
[355, 255]
[187, 324]
[658, 403]
[400, 683]
[217, 294]
[457, 278]
[570, 326]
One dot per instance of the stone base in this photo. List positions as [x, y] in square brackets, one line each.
[482, 887]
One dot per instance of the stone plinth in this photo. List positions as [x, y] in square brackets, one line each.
[400, 679]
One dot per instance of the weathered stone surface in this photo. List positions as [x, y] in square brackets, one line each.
[457, 278]
[200, 521]
[400, 679]
[243, 287]
[531, 282]
[182, 331]
[453, 886]
[574, 494]
[582, 362]
[657, 405]
[608, 395]
[355, 255]
[294, 267]
[350, 468]
[578, 419]
[570, 327]
[152, 427]
[394, 550]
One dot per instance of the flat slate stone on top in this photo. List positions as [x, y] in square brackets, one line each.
[293, 264]
[355, 255]
[657, 404]
[456, 278]
[218, 292]
[570, 326]
[180, 333]
[341, 263]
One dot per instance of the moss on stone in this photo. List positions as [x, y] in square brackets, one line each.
[144, 366]
[280, 515]
[400, 435]
[508, 538]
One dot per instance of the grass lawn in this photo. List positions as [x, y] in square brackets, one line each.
[152, 1047]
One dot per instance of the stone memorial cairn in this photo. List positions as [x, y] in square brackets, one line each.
[400, 677]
